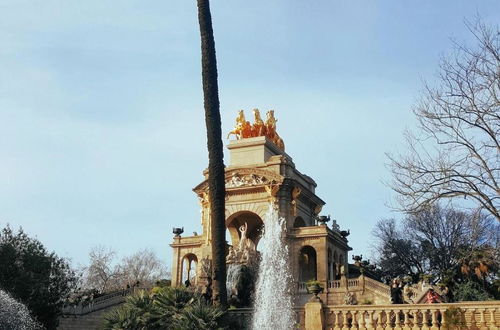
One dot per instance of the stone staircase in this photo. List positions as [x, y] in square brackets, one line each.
[90, 316]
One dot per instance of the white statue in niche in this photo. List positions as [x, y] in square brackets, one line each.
[245, 252]
[245, 243]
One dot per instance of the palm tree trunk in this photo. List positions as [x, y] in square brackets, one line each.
[216, 181]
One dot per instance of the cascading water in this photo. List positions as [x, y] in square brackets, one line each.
[233, 273]
[273, 301]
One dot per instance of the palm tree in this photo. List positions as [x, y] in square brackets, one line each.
[216, 182]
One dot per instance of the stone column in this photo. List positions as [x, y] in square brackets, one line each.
[176, 270]
[343, 282]
[315, 319]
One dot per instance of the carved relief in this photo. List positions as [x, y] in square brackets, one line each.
[295, 195]
[272, 191]
[242, 178]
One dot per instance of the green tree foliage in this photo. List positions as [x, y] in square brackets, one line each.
[33, 276]
[449, 246]
[471, 291]
[165, 308]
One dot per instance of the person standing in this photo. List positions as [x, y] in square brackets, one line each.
[396, 292]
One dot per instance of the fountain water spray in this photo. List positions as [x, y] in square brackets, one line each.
[273, 301]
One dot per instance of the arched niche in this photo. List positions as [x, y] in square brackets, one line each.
[254, 231]
[299, 222]
[336, 266]
[307, 264]
[331, 275]
[189, 266]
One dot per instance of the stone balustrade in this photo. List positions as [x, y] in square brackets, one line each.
[353, 283]
[243, 317]
[332, 285]
[474, 315]
[470, 315]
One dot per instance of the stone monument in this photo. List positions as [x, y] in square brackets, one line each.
[261, 172]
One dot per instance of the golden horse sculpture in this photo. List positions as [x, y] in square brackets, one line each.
[244, 129]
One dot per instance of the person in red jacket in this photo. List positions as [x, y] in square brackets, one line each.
[432, 297]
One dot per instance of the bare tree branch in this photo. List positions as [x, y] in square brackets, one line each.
[457, 153]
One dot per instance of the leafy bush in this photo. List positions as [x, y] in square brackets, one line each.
[470, 291]
[14, 315]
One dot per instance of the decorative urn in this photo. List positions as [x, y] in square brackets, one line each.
[178, 231]
[315, 288]
[323, 219]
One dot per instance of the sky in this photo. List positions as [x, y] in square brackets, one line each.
[102, 134]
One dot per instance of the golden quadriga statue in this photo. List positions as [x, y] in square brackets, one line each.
[244, 129]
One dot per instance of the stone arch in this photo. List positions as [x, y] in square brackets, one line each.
[299, 222]
[238, 219]
[258, 208]
[307, 264]
[189, 268]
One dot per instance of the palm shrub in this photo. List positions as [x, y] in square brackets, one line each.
[199, 315]
[135, 313]
[168, 303]
[166, 309]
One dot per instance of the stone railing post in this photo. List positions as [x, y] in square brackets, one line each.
[435, 323]
[473, 318]
[425, 320]
[493, 322]
[407, 324]
[482, 320]
[355, 319]
[443, 318]
[338, 326]
[379, 324]
[369, 324]
[315, 319]
[362, 320]
[398, 321]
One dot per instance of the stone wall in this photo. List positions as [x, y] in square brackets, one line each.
[90, 321]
